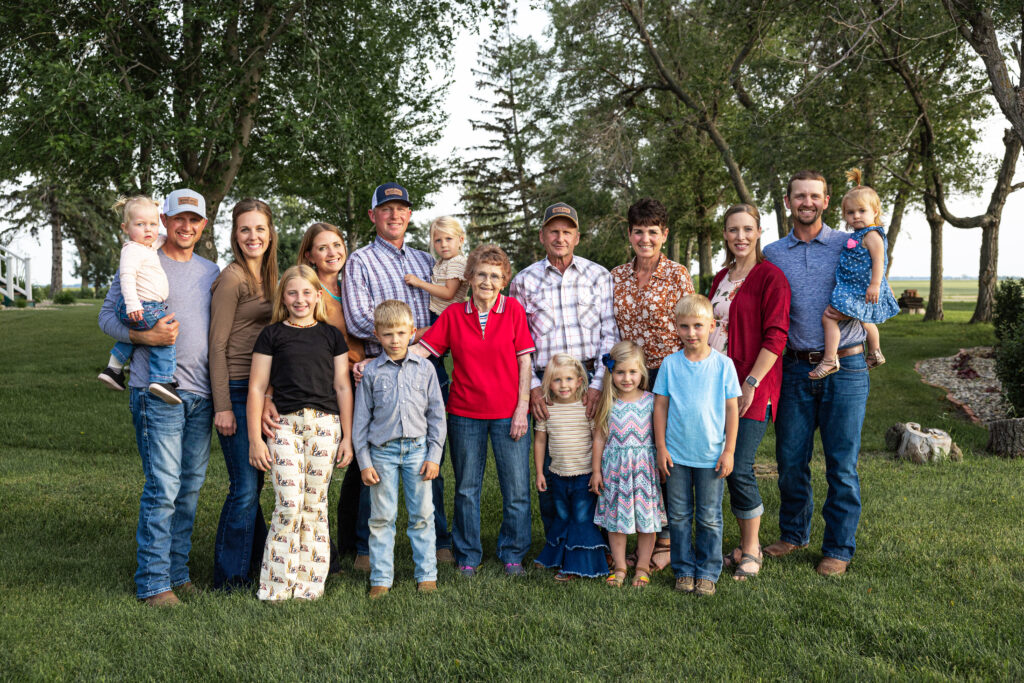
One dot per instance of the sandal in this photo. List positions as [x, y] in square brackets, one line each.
[874, 359]
[825, 368]
[665, 553]
[616, 578]
[729, 561]
[562, 577]
[631, 560]
[641, 578]
[741, 574]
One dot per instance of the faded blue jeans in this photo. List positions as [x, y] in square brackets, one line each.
[695, 495]
[467, 438]
[835, 406]
[162, 359]
[744, 496]
[398, 462]
[174, 444]
[242, 530]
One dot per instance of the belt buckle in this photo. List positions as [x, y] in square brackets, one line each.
[815, 357]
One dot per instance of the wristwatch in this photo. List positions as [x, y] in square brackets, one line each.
[752, 381]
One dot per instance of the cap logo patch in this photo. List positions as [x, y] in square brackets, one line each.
[188, 201]
[393, 192]
[561, 209]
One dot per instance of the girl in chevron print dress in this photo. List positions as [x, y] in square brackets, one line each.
[624, 462]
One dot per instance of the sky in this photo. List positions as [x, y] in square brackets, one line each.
[911, 255]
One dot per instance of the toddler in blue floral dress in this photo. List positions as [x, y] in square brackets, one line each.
[861, 290]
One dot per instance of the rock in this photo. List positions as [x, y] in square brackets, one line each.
[921, 445]
[1006, 437]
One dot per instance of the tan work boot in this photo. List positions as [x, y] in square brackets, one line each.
[186, 590]
[780, 548]
[830, 566]
[704, 587]
[378, 591]
[426, 586]
[685, 584]
[165, 599]
[362, 563]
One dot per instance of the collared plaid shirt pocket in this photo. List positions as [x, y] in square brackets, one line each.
[587, 311]
[541, 317]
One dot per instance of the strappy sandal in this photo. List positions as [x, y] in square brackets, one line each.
[741, 574]
[874, 359]
[562, 577]
[825, 368]
[641, 578]
[729, 560]
[661, 551]
[616, 578]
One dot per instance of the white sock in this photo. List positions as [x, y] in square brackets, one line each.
[114, 363]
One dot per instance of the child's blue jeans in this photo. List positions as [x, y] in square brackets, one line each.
[401, 460]
[162, 359]
[695, 492]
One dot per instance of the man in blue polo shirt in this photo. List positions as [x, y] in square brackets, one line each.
[835, 404]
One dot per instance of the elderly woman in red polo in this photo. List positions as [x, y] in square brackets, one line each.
[750, 298]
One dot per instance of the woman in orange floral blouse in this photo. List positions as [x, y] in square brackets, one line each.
[646, 290]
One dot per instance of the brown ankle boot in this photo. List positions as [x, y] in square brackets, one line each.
[165, 599]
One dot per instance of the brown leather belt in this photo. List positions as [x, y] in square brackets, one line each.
[816, 357]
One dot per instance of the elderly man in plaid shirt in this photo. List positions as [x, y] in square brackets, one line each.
[568, 302]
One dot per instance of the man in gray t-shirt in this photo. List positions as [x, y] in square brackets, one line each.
[833, 405]
[173, 440]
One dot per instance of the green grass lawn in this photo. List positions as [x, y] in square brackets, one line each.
[934, 592]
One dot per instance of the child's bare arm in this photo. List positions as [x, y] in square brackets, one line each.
[446, 291]
[876, 248]
[596, 478]
[732, 423]
[343, 390]
[540, 442]
[660, 421]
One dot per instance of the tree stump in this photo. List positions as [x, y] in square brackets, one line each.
[921, 445]
[1006, 437]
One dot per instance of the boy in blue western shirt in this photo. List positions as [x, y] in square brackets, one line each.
[696, 415]
[398, 433]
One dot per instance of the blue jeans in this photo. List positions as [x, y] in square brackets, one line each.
[468, 439]
[574, 544]
[162, 359]
[744, 496]
[401, 459]
[242, 531]
[174, 443]
[695, 493]
[834, 405]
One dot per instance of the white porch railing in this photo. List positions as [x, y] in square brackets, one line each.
[15, 275]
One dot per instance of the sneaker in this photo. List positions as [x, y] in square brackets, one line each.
[445, 556]
[704, 587]
[467, 571]
[514, 569]
[361, 563]
[685, 584]
[166, 392]
[112, 378]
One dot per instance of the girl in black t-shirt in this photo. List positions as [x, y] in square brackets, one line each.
[305, 359]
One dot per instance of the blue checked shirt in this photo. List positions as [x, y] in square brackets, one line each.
[377, 273]
[568, 313]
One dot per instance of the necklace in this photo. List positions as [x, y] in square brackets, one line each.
[289, 323]
[336, 298]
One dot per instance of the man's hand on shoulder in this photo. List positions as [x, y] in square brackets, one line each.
[164, 333]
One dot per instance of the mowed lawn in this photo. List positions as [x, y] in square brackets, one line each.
[952, 290]
[935, 590]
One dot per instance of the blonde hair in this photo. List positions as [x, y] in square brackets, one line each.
[694, 306]
[309, 275]
[446, 225]
[124, 205]
[268, 265]
[862, 194]
[562, 360]
[391, 314]
[622, 352]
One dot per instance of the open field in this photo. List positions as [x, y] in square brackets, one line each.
[952, 290]
[934, 591]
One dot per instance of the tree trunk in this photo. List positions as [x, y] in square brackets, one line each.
[704, 255]
[673, 246]
[207, 244]
[688, 256]
[935, 223]
[83, 265]
[987, 273]
[1006, 437]
[57, 244]
[896, 222]
[350, 214]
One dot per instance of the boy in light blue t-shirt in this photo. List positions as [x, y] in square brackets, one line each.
[696, 415]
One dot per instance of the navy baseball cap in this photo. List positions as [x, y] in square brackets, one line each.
[389, 192]
[560, 210]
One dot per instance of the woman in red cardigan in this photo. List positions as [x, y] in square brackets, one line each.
[750, 297]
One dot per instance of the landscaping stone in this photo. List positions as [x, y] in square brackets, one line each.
[920, 446]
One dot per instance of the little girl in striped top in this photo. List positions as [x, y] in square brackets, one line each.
[574, 544]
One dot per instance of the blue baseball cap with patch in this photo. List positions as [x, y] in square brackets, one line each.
[389, 192]
[560, 210]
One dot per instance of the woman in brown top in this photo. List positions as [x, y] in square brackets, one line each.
[240, 308]
[645, 293]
